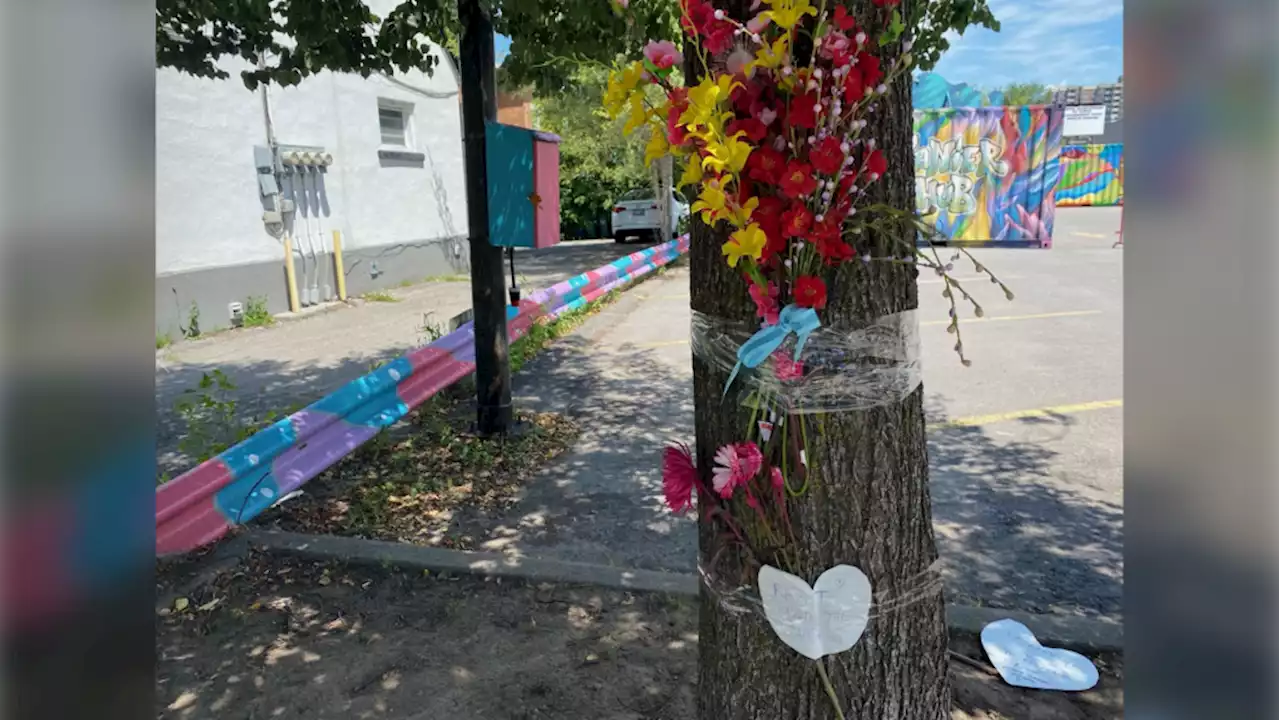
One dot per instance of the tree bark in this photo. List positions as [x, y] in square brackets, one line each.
[867, 504]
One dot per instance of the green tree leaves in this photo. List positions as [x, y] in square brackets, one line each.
[1026, 94]
[597, 164]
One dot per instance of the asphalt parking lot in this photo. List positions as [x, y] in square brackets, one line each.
[1026, 450]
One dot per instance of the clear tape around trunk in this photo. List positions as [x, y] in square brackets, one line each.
[741, 600]
[840, 369]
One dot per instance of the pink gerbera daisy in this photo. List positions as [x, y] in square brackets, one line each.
[679, 477]
[736, 464]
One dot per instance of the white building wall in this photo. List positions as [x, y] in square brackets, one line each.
[208, 206]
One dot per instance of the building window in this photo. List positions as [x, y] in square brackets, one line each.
[394, 124]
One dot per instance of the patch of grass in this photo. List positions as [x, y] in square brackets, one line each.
[545, 332]
[405, 283]
[406, 482]
[192, 328]
[211, 419]
[163, 341]
[450, 278]
[256, 313]
[380, 296]
[431, 331]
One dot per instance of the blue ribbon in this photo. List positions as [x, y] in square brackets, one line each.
[760, 346]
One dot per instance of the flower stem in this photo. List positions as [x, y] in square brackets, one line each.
[831, 691]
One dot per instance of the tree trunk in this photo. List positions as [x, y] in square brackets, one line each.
[867, 504]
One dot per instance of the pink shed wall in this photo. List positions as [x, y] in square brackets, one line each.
[546, 182]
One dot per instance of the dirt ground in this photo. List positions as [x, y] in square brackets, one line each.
[277, 638]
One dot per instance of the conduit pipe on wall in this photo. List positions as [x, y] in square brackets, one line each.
[291, 278]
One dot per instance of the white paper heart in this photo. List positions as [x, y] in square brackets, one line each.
[1022, 661]
[823, 620]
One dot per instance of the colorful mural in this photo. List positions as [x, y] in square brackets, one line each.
[986, 176]
[1092, 175]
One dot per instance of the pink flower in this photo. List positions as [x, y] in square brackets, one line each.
[784, 368]
[736, 464]
[623, 3]
[768, 115]
[766, 300]
[756, 24]
[662, 54]
[775, 475]
[679, 477]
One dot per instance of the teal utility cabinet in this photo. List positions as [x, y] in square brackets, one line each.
[524, 186]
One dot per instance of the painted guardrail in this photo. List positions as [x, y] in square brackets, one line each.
[202, 505]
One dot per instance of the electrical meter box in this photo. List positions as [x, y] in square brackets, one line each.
[523, 168]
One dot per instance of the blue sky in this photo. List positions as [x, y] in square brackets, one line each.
[501, 48]
[1053, 42]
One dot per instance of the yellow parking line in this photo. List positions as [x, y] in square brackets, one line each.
[977, 420]
[664, 343]
[1038, 316]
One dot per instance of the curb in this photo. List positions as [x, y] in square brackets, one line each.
[1086, 635]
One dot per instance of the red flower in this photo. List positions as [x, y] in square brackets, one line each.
[870, 66]
[843, 19]
[826, 156]
[775, 244]
[679, 477]
[846, 186]
[676, 134]
[754, 129]
[839, 48]
[769, 212]
[801, 113]
[876, 164]
[766, 300]
[701, 19]
[853, 85]
[834, 250]
[768, 215]
[796, 221]
[745, 96]
[810, 292]
[763, 165]
[886, 3]
[797, 180]
[784, 368]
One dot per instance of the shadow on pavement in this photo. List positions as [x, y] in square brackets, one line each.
[1011, 535]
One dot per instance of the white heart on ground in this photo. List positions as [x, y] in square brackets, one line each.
[1022, 661]
[825, 619]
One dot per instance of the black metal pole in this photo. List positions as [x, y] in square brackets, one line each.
[479, 104]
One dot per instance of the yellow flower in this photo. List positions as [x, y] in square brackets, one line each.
[771, 56]
[748, 242]
[622, 88]
[740, 215]
[657, 146]
[710, 201]
[639, 114]
[786, 13]
[705, 98]
[727, 157]
[692, 173]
